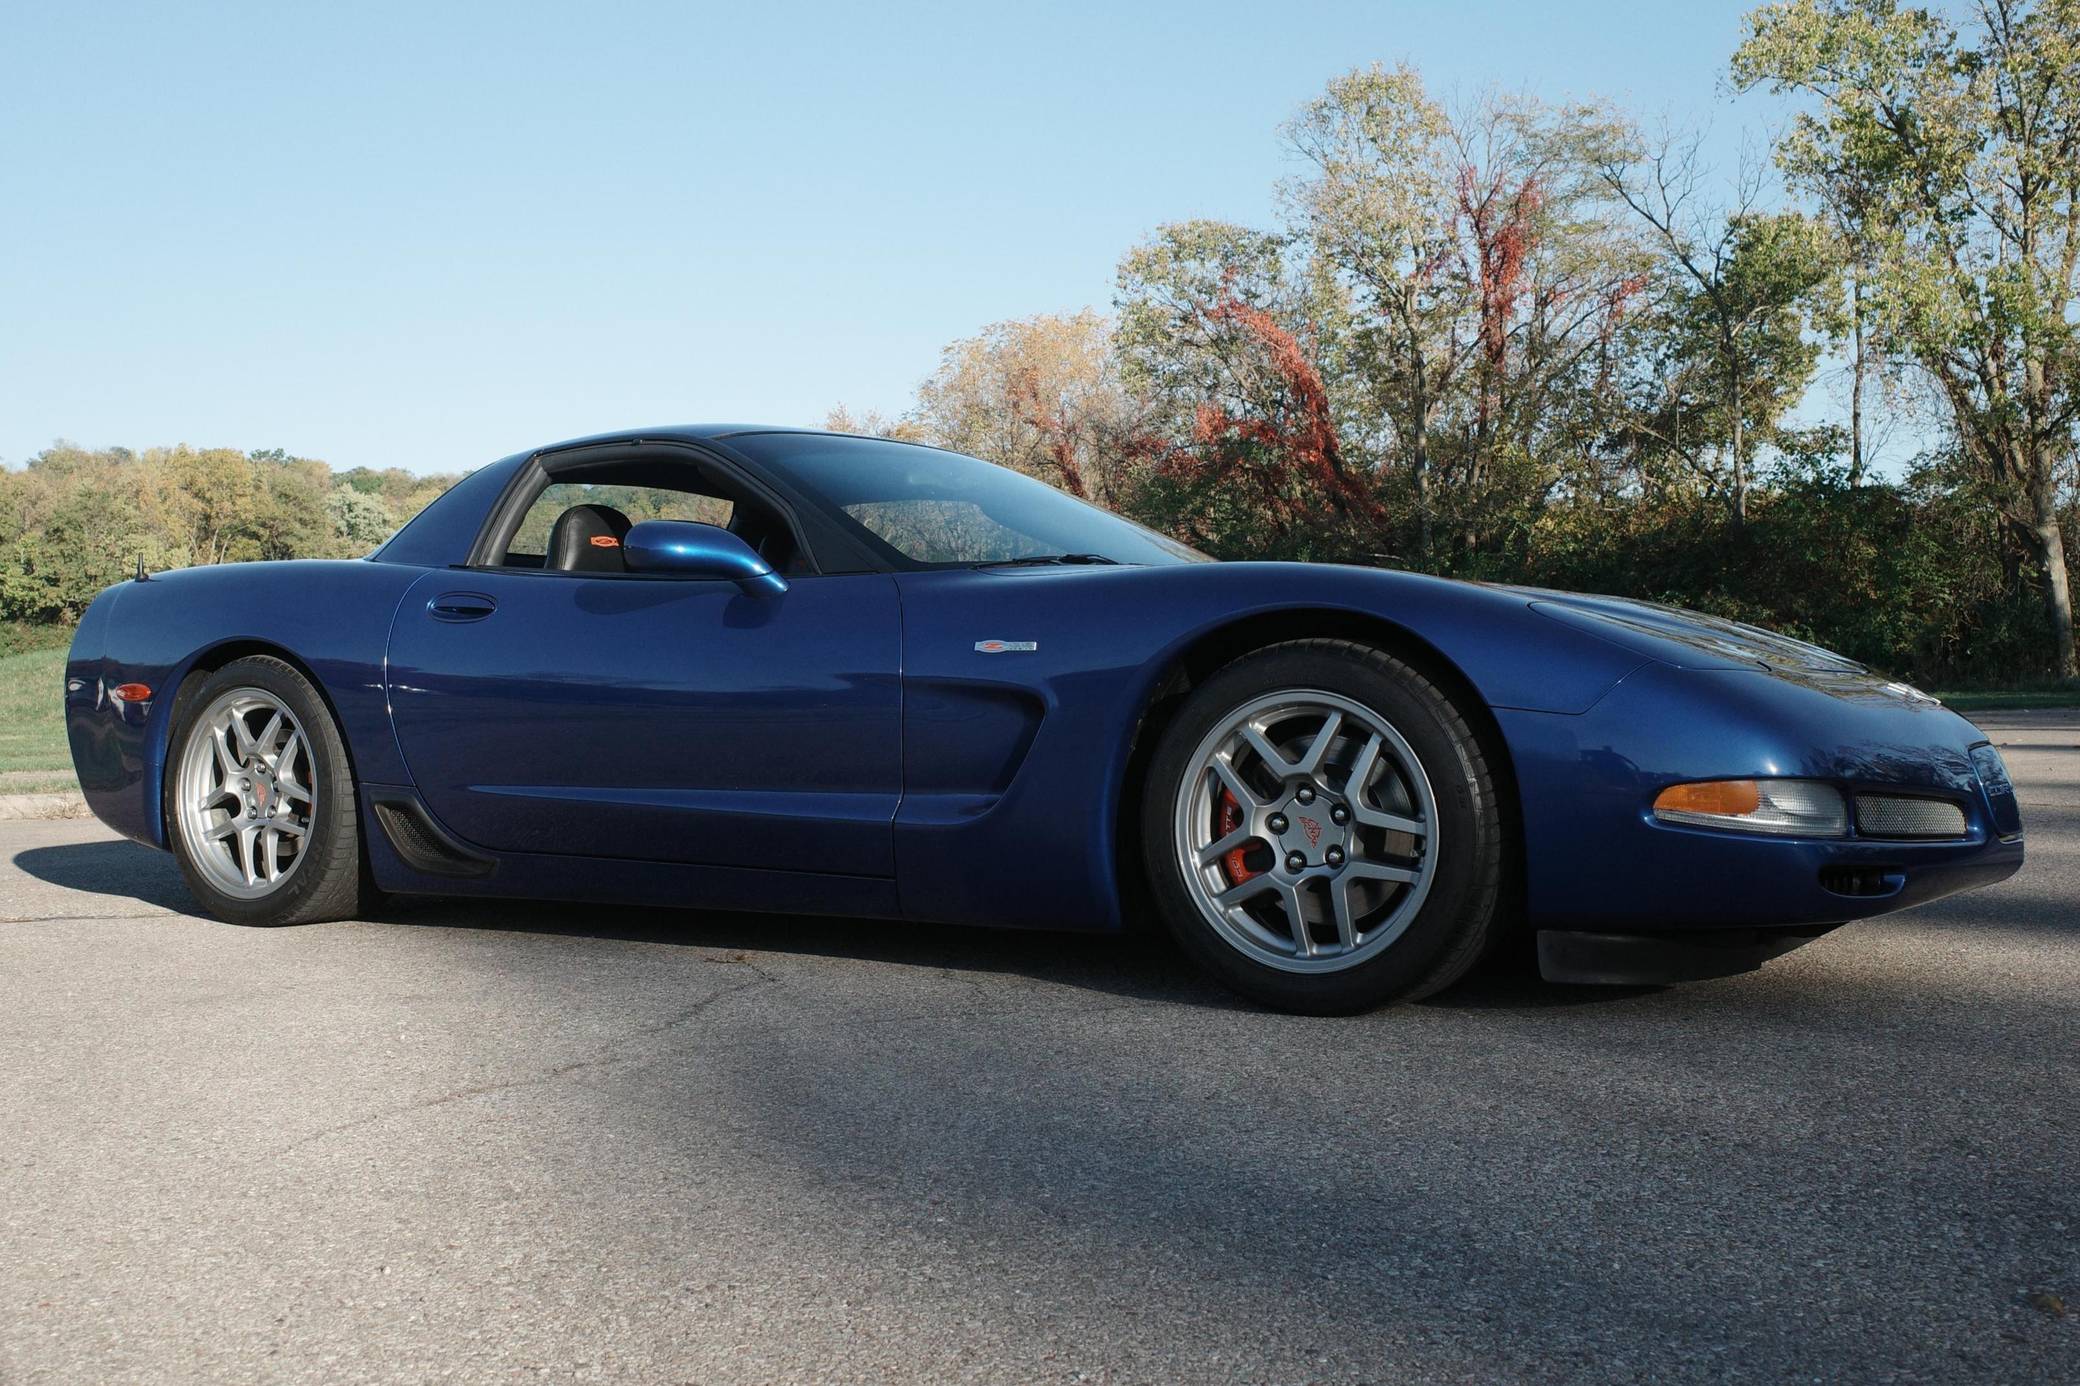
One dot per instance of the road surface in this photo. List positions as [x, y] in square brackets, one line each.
[489, 1143]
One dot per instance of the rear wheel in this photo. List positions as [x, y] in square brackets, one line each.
[1321, 830]
[259, 799]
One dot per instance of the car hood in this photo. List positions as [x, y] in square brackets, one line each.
[1691, 639]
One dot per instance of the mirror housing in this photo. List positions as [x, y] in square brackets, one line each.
[684, 548]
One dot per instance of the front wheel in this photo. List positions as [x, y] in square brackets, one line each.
[1322, 832]
[259, 798]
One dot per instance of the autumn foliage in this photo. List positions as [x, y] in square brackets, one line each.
[1277, 459]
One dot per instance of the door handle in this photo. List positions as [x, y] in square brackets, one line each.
[461, 606]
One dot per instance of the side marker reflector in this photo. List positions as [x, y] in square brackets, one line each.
[130, 692]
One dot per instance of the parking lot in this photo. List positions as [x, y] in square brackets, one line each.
[519, 1143]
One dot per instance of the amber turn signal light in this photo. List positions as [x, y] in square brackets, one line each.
[130, 692]
[1786, 808]
[1717, 797]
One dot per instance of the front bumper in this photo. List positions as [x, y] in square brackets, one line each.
[1598, 862]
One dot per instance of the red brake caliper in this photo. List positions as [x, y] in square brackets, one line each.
[1230, 820]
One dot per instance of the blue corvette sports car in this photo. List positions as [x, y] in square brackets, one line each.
[759, 668]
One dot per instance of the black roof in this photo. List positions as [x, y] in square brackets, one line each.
[694, 432]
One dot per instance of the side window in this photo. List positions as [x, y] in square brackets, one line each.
[638, 503]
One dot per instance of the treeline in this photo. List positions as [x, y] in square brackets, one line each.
[1503, 339]
[73, 521]
[1531, 341]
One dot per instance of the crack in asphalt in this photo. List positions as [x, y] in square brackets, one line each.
[598, 1059]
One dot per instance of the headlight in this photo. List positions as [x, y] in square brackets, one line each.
[1992, 770]
[1786, 808]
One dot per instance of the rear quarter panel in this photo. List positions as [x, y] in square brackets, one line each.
[331, 617]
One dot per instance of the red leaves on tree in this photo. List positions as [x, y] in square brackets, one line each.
[1287, 458]
[1504, 235]
[1050, 422]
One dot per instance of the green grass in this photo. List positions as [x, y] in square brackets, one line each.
[1986, 700]
[33, 756]
[18, 637]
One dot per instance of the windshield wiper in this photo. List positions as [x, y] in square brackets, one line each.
[1039, 559]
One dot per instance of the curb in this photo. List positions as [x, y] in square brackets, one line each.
[62, 805]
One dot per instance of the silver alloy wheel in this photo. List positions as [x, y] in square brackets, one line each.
[1306, 831]
[245, 796]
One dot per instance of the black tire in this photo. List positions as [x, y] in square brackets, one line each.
[1458, 916]
[327, 879]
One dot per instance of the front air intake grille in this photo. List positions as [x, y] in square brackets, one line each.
[1893, 815]
[1862, 882]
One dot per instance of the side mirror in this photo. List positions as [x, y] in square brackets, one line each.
[687, 549]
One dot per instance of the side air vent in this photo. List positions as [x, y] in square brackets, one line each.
[422, 843]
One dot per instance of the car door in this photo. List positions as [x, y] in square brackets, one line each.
[655, 718]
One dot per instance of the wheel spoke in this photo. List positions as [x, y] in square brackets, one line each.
[284, 825]
[1346, 923]
[246, 833]
[270, 841]
[290, 789]
[1296, 919]
[1231, 780]
[224, 830]
[263, 745]
[1354, 790]
[227, 759]
[1392, 822]
[1374, 871]
[1248, 890]
[1261, 744]
[1323, 740]
[1361, 770]
[287, 759]
[1214, 851]
[243, 734]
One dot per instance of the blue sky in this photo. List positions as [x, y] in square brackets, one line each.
[426, 235]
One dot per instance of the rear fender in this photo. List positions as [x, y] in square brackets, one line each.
[330, 619]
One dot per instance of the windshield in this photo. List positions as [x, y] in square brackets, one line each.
[924, 508]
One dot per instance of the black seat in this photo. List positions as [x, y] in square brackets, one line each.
[587, 539]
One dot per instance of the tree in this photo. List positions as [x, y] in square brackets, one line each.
[871, 423]
[1483, 280]
[359, 519]
[1737, 291]
[73, 521]
[1173, 349]
[1246, 452]
[1043, 395]
[1971, 146]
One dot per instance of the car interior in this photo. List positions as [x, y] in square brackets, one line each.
[576, 523]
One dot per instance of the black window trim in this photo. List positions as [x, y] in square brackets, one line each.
[502, 522]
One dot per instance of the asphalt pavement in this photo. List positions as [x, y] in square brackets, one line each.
[497, 1143]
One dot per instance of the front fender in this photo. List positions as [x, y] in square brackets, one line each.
[1015, 761]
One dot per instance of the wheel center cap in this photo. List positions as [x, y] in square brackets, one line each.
[1310, 830]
